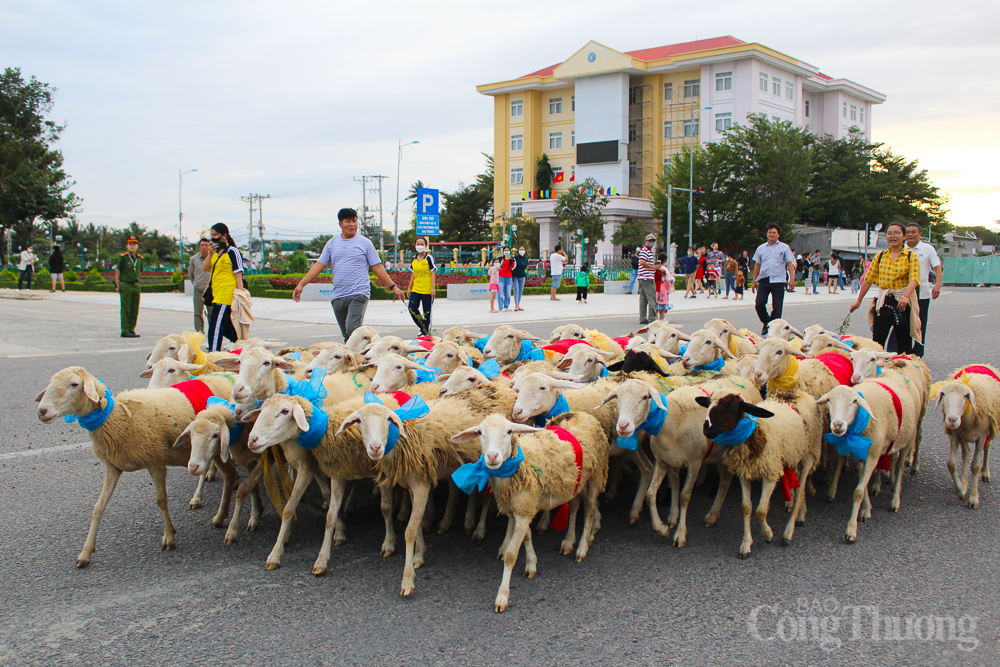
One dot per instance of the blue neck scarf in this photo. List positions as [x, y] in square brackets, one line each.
[318, 423]
[490, 368]
[604, 371]
[236, 432]
[297, 356]
[653, 424]
[529, 353]
[428, 373]
[414, 408]
[744, 429]
[94, 420]
[845, 341]
[312, 389]
[471, 475]
[878, 371]
[480, 343]
[714, 366]
[853, 442]
[683, 348]
[559, 408]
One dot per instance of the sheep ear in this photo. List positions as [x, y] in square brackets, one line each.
[466, 435]
[300, 417]
[473, 335]
[149, 355]
[443, 378]
[523, 428]
[273, 344]
[683, 336]
[565, 384]
[864, 404]
[394, 418]
[734, 330]
[842, 345]
[829, 333]
[184, 439]
[412, 364]
[229, 363]
[884, 355]
[612, 395]
[250, 417]
[703, 401]
[413, 349]
[657, 399]
[559, 375]
[41, 395]
[224, 443]
[90, 389]
[725, 350]
[182, 353]
[148, 373]
[285, 364]
[350, 355]
[463, 356]
[349, 421]
[524, 335]
[184, 366]
[565, 362]
[972, 400]
[756, 410]
[791, 350]
[824, 399]
[604, 353]
[642, 330]
[796, 332]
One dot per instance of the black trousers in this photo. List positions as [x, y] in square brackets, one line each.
[888, 321]
[918, 348]
[776, 291]
[581, 292]
[416, 301]
[220, 324]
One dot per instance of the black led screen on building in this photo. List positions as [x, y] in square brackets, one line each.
[596, 152]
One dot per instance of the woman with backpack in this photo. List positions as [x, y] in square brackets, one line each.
[226, 265]
[57, 264]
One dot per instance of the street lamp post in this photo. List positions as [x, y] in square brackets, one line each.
[180, 213]
[395, 222]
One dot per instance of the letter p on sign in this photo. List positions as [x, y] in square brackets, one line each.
[426, 202]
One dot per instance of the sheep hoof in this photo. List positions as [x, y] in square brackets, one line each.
[443, 529]
[985, 477]
[565, 549]
[744, 554]
[229, 540]
[680, 542]
[786, 540]
[974, 504]
[579, 558]
[632, 518]
[830, 497]
[478, 536]
[530, 574]
[318, 570]
[662, 531]
[272, 566]
[169, 546]
[251, 526]
[194, 504]
[850, 538]
[406, 591]
[218, 523]
[500, 606]
[385, 553]
[82, 561]
[800, 522]
[337, 541]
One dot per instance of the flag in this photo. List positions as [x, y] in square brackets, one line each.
[524, 195]
[558, 178]
[573, 178]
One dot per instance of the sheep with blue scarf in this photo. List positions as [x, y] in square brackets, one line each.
[389, 345]
[132, 431]
[507, 345]
[412, 447]
[856, 342]
[776, 441]
[673, 422]
[396, 373]
[705, 352]
[533, 470]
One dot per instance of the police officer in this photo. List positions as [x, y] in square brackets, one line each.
[130, 267]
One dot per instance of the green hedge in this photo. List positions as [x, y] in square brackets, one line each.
[105, 287]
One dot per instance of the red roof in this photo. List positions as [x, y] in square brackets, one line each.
[825, 77]
[661, 52]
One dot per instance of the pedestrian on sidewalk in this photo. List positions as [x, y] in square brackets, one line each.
[647, 285]
[127, 278]
[518, 275]
[773, 272]
[833, 274]
[731, 268]
[717, 258]
[815, 270]
[689, 265]
[741, 281]
[200, 278]
[506, 280]
[855, 277]
[582, 283]
[57, 264]
[556, 262]
[896, 272]
[702, 272]
[421, 288]
[635, 271]
[494, 287]
[349, 257]
[714, 274]
[225, 268]
[664, 279]
[26, 267]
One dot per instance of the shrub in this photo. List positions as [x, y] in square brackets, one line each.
[93, 279]
[177, 277]
[8, 274]
[71, 276]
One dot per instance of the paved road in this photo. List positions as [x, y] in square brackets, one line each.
[635, 600]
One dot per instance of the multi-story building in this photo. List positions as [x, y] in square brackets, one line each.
[618, 117]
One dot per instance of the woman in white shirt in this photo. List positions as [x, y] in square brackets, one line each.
[26, 267]
[832, 275]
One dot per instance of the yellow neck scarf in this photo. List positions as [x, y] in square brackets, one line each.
[786, 380]
[602, 339]
[936, 389]
[194, 341]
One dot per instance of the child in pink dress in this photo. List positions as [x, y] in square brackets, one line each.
[664, 282]
[494, 287]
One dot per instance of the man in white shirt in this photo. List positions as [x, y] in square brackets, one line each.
[929, 260]
[556, 261]
[26, 267]
[773, 271]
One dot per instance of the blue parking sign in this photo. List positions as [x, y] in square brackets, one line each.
[428, 220]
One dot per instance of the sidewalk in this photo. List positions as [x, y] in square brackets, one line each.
[459, 313]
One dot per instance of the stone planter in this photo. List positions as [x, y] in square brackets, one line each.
[469, 292]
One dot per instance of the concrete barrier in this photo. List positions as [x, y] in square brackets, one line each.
[317, 292]
[468, 292]
[618, 287]
[188, 288]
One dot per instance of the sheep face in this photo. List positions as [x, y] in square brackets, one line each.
[505, 344]
[954, 398]
[461, 335]
[208, 437]
[826, 343]
[704, 348]
[584, 366]
[843, 403]
[388, 345]
[814, 330]
[569, 332]
[725, 409]
[865, 363]
[171, 346]
[258, 374]
[361, 339]
[537, 394]
[782, 329]
[668, 339]
[71, 391]
[772, 360]
[280, 418]
[463, 377]
[243, 409]
[656, 326]
[495, 435]
[723, 329]
[745, 366]
[392, 373]
[447, 356]
[168, 372]
[373, 422]
[634, 399]
[335, 357]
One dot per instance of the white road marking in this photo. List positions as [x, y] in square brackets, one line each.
[43, 451]
[62, 354]
[983, 315]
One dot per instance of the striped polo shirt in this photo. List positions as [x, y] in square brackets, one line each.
[646, 254]
[349, 260]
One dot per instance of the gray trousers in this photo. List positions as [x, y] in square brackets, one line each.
[647, 300]
[350, 313]
[199, 311]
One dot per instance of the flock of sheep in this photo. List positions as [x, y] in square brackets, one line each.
[527, 427]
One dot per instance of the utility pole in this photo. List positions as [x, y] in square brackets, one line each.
[251, 198]
[365, 180]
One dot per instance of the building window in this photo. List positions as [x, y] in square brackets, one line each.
[633, 169]
[516, 209]
[633, 132]
[763, 81]
[692, 88]
[555, 105]
[723, 121]
[555, 173]
[807, 108]
[775, 119]
[845, 109]
[724, 81]
[517, 142]
[635, 94]
[691, 127]
[572, 103]
[668, 91]
[854, 112]
[789, 90]
[668, 129]
[517, 108]
[572, 138]
[516, 176]
[555, 140]
[572, 173]
[776, 86]
[861, 115]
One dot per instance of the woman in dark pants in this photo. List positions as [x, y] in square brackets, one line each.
[519, 273]
[226, 266]
[421, 288]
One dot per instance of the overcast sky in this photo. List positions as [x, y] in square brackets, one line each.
[273, 97]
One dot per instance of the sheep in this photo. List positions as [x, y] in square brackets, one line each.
[592, 336]
[553, 472]
[396, 373]
[167, 372]
[887, 432]
[138, 432]
[334, 357]
[465, 377]
[662, 359]
[826, 343]
[507, 344]
[448, 356]
[423, 453]
[734, 340]
[706, 351]
[668, 339]
[185, 347]
[970, 405]
[587, 365]
[784, 442]
[653, 327]
[679, 443]
[779, 367]
[461, 335]
[361, 339]
[783, 329]
[388, 345]
[860, 342]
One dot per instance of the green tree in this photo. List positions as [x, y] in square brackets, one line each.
[298, 262]
[467, 213]
[711, 208]
[841, 185]
[319, 242]
[902, 191]
[580, 208]
[544, 173]
[631, 233]
[526, 234]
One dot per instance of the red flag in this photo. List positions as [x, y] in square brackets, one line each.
[573, 177]
[558, 178]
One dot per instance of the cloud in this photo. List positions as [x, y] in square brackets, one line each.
[974, 189]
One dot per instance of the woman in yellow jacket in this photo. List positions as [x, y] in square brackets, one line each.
[226, 265]
[421, 288]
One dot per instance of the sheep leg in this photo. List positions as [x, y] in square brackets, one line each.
[199, 493]
[615, 477]
[530, 559]
[543, 522]
[764, 505]
[680, 535]
[332, 518]
[325, 486]
[915, 453]
[249, 485]
[480, 532]
[507, 538]
[403, 516]
[159, 475]
[111, 477]
[428, 513]
[659, 472]
[859, 495]
[876, 487]
[389, 542]
[302, 480]
[450, 508]
[567, 544]
[470, 511]
[967, 455]
[419, 490]
[897, 481]
[725, 479]
[747, 513]
[590, 510]
[833, 477]
[229, 478]
[521, 527]
[798, 500]
[977, 466]
[645, 472]
[986, 462]
[675, 494]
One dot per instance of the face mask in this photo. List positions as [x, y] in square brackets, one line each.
[521, 253]
[506, 253]
[421, 248]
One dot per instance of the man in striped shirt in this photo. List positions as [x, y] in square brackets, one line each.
[647, 284]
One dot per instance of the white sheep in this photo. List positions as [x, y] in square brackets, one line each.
[970, 405]
[668, 339]
[733, 338]
[781, 367]
[184, 347]
[705, 351]
[447, 356]
[860, 342]
[462, 336]
[826, 343]
[361, 339]
[553, 472]
[592, 336]
[334, 357]
[785, 440]
[134, 431]
[584, 363]
[507, 344]
[397, 373]
[388, 345]
[783, 329]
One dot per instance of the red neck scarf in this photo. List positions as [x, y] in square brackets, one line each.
[561, 520]
[196, 392]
